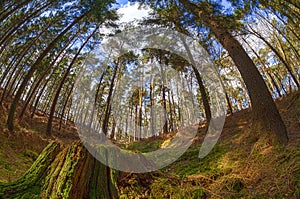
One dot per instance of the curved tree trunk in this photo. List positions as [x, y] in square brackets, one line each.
[31, 71]
[203, 92]
[108, 100]
[294, 49]
[53, 106]
[283, 61]
[4, 16]
[8, 35]
[265, 112]
[46, 72]
[69, 173]
[68, 96]
[264, 68]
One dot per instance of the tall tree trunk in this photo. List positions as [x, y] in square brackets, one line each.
[14, 104]
[65, 106]
[46, 72]
[7, 69]
[283, 61]
[171, 122]
[265, 112]
[96, 98]
[13, 28]
[152, 115]
[163, 90]
[41, 93]
[17, 7]
[108, 101]
[9, 84]
[52, 110]
[204, 95]
[202, 89]
[264, 68]
[223, 82]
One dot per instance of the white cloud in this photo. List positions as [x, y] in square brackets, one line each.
[131, 12]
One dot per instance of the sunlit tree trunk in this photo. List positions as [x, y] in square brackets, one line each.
[52, 110]
[265, 112]
[14, 104]
[264, 68]
[283, 61]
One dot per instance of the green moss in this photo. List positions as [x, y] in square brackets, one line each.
[31, 182]
[199, 193]
[31, 154]
[145, 147]
[189, 163]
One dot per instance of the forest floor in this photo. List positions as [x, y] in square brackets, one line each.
[237, 167]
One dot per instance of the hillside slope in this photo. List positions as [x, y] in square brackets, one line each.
[238, 166]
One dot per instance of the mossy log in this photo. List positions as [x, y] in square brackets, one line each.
[68, 173]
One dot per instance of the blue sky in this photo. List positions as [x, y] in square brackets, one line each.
[122, 1]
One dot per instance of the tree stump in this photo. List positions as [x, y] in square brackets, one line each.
[69, 173]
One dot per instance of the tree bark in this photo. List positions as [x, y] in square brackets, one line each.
[31, 71]
[45, 74]
[69, 173]
[53, 106]
[265, 112]
[108, 100]
[18, 6]
[264, 68]
[283, 61]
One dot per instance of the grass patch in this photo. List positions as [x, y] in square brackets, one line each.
[190, 164]
[143, 147]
